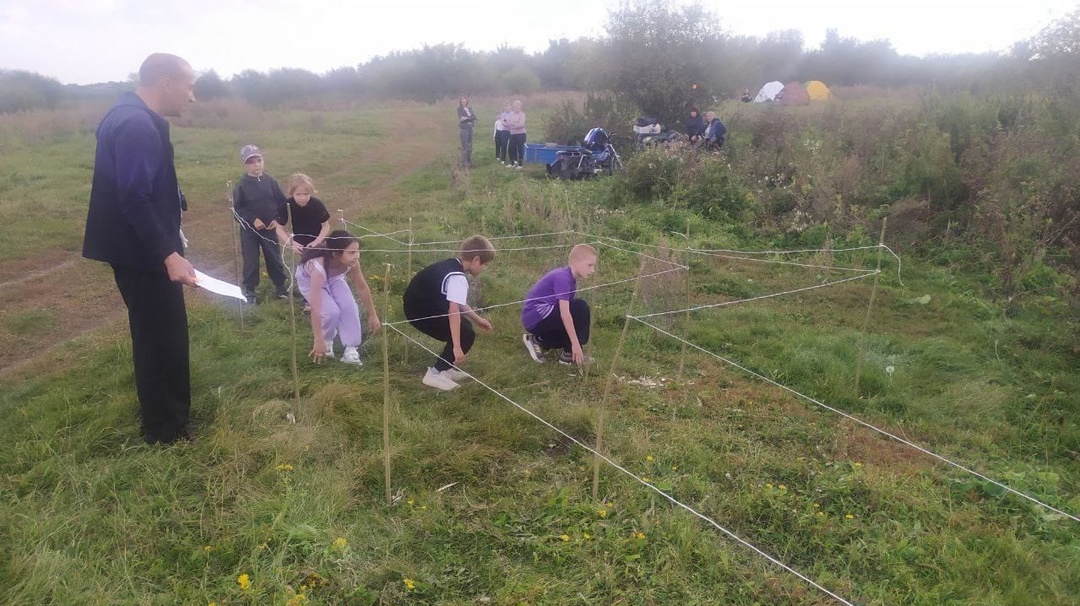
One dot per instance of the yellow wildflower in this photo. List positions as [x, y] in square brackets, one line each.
[768, 485]
[588, 536]
[858, 465]
[340, 544]
[565, 537]
[644, 479]
[208, 548]
[284, 467]
[674, 468]
[649, 458]
[410, 585]
[782, 487]
[245, 582]
[848, 516]
[639, 535]
[602, 513]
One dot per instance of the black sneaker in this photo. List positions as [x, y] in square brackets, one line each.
[250, 298]
[282, 294]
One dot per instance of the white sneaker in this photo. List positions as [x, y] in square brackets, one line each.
[351, 356]
[519, 167]
[456, 375]
[438, 380]
[535, 351]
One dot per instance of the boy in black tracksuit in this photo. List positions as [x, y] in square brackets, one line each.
[259, 201]
[435, 302]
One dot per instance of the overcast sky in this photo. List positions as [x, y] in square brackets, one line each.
[87, 41]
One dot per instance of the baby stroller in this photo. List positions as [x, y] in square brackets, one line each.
[594, 156]
[650, 132]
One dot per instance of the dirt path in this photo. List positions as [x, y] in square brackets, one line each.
[51, 299]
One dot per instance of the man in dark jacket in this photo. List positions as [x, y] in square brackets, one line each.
[133, 224]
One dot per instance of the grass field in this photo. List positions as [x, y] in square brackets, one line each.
[489, 505]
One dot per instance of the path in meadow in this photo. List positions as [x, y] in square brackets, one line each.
[59, 296]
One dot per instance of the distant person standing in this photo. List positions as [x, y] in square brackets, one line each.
[502, 134]
[133, 224]
[515, 121]
[466, 119]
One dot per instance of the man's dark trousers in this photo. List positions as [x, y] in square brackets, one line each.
[159, 348]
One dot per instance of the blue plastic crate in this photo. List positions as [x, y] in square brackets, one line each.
[546, 153]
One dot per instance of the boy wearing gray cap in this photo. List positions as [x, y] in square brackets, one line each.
[259, 203]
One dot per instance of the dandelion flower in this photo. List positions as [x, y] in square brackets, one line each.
[245, 582]
[602, 513]
[410, 585]
[674, 468]
[639, 535]
[643, 479]
[410, 502]
[340, 544]
[858, 464]
[588, 536]
[208, 548]
[565, 537]
[284, 467]
[848, 516]
[768, 485]
[649, 458]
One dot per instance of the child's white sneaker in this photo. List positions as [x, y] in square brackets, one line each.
[456, 375]
[438, 380]
[351, 356]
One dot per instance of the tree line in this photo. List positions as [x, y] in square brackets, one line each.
[661, 57]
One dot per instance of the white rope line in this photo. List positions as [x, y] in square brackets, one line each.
[523, 301]
[760, 297]
[553, 233]
[717, 253]
[636, 478]
[457, 250]
[782, 252]
[372, 232]
[714, 252]
[641, 254]
[778, 262]
[860, 422]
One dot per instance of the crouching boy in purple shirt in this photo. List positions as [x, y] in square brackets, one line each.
[552, 317]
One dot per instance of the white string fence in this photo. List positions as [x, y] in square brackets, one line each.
[860, 421]
[639, 480]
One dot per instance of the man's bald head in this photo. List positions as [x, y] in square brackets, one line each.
[160, 66]
[166, 84]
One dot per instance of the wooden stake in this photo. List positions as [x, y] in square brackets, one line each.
[386, 385]
[292, 310]
[686, 318]
[610, 383]
[408, 275]
[869, 307]
[236, 247]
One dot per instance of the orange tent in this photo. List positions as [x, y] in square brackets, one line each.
[818, 91]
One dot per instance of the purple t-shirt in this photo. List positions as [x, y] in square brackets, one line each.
[543, 298]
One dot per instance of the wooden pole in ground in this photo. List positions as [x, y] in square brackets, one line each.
[386, 385]
[236, 247]
[408, 276]
[610, 384]
[869, 307]
[292, 309]
[686, 318]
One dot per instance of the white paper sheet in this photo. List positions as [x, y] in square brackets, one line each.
[219, 287]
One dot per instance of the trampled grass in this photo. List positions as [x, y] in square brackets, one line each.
[490, 505]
